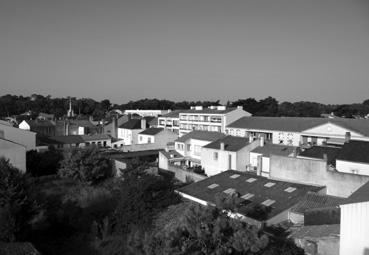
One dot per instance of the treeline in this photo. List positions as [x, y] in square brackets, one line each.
[15, 105]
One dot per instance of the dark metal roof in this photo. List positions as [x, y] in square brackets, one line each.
[277, 192]
[359, 196]
[231, 143]
[151, 131]
[201, 135]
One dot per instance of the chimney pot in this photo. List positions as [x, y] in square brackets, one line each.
[347, 137]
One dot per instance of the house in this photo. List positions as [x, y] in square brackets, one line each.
[70, 141]
[128, 132]
[354, 231]
[111, 127]
[14, 152]
[295, 131]
[75, 127]
[259, 162]
[258, 200]
[160, 136]
[213, 118]
[354, 158]
[170, 121]
[42, 127]
[17, 135]
[328, 153]
[147, 113]
[189, 146]
[227, 153]
[46, 116]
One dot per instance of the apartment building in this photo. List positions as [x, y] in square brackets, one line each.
[170, 121]
[147, 113]
[213, 118]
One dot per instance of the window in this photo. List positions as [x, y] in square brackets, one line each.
[247, 196]
[290, 189]
[197, 150]
[268, 202]
[250, 180]
[149, 140]
[140, 138]
[188, 147]
[269, 184]
[238, 132]
[234, 176]
[213, 186]
[229, 191]
[215, 155]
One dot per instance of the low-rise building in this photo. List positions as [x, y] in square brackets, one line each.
[296, 131]
[14, 152]
[160, 136]
[70, 141]
[354, 231]
[354, 158]
[258, 200]
[147, 113]
[228, 153]
[24, 137]
[170, 121]
[190, 145]
[128, 132]
[42, 127]
[213, 118]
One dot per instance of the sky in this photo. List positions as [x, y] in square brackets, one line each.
[293, 50]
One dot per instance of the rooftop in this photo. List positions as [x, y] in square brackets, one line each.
[298, 124]
[201, 135]
[315, 231]
[253, 192]
[314, 200]
[173, 114]
[274, 149]
[355, 151]
[40, 123]
[359, 196]
[151, 131]
[133, 124]
[210, 111]
[318, 152]
[231, 143]
[73, 139]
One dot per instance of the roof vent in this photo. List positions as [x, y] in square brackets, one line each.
[268, 202]
[247, 196]
[269, 184]
[290, 189]
[250, 180]
[234, 176]
[229, 191]
[213, 186]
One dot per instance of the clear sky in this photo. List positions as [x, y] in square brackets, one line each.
[316, 50]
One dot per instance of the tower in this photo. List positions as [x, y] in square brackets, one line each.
[70, 112]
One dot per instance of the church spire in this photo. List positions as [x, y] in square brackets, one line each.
[70, 112]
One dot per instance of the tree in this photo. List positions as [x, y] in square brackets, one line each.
[17, 207]
[43, 163]
[88, 166]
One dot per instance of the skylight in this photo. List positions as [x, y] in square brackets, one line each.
[250, 180]
[247, 196]
[213, 186]
[234, 176]
[290, 189]
[269, 184]
[229, 191]
[268, 202]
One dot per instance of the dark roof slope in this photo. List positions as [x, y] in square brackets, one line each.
[298, 124]
[133, 124]
[72, 139]
[240, 182]
[173, 114]
[231, 143]
[151, 131]
[314, 200]
[201, 135]
[359, 196]
[319, 151]
[40, 123]
[274, 149]
[355, 151]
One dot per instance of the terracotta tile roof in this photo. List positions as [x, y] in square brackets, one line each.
[201, 135]
[231, 143]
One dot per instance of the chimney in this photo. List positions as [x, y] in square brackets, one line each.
[66, 125]
[325, 157]
[143, 123]
[222, 146]
[262, 141]
[347, 137]
[114, 128]
[259, 166]
[251, 138]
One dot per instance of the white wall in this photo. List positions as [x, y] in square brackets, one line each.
[24, 125]
[143, 139]
[333, 131]
[233, 116]
[15, 153]
[81, 131]
[212, 166]
[23, 137]
[354, 232]
[286, 137]
[130, 136]
[352, 167]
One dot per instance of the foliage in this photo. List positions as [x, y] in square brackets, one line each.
[202, 230]
[88, 166]
[17, 207]
[43, 163]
